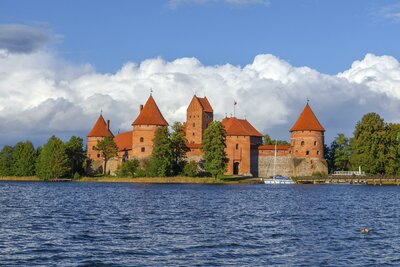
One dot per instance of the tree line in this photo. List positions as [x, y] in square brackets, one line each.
[374, 146]
[55, 159]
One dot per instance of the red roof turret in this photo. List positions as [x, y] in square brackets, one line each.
[150, 115]
[307, 121]
[100, 128]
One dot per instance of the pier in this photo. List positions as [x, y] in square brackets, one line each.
[356, 180]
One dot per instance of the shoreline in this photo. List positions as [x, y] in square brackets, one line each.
[141, 180]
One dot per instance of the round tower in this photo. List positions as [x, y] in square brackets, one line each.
[307, 136]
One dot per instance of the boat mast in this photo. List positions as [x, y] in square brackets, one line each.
[275, 162]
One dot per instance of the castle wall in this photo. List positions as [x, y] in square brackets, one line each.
[307, 144]
[142, 140]
[283, 165]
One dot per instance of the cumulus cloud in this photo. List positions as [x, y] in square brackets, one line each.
[41, 95]
[17, 38]
[174, 4]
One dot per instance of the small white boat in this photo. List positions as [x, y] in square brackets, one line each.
[279, 180]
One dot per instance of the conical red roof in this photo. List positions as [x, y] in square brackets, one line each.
[238, 127]
[100, 128]
[150, 115]
[307, 121]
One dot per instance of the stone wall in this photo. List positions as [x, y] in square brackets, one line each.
[284, 166]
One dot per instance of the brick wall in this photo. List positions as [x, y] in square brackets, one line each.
[307, 144]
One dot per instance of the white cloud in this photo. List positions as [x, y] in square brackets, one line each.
[389, 12]
[41, 95]
[174, 4]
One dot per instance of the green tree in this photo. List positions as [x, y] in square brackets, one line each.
[53, 160]
[191, 169]
[76, 154]
[128, 168]
[6, 161]
[341, 150]
[368, 146]
[24, 158]
[392, 149]
[269, 141]
[179, 146]
[213, 147]
[162, 156]
[108, 149]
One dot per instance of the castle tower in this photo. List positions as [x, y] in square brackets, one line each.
[100, 130]
[307, 136]
[198, 115]
[144, 128]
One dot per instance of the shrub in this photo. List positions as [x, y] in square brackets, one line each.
[190, 169]
[128, 168]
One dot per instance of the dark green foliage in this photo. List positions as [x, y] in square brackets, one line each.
[108, 149]
[53, 160]
[368, 148]
[6, 161]
[269, 141]
[76, 154]
[162, 157]
[341, 152]
[213, 147]
[179, 147]
[392, 149]
[128, 168]
[24, 158]
[190, 169]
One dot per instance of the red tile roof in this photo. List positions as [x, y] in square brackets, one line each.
[193, 146]
[307, 121]
[272, 147]
[100, 129]
[238, 127]
[205, 104]
[124, 141]
[150, 115]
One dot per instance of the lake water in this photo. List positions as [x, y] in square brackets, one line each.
[122, 224]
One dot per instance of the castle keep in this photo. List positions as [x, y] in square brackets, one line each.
[244, 147]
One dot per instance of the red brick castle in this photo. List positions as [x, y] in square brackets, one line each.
[246, 153]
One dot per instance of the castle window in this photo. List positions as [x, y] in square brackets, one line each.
[194, 124]
[307, 152]
[141, 139]
[143, 149]
[317, 152]
[94, 148]
[302, 143]
[98, 155]
[315, 143]
[237, 146]
[193, 133]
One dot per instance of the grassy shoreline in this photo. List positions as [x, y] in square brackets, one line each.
[144, 180]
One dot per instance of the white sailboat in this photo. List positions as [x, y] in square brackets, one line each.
[277, 179]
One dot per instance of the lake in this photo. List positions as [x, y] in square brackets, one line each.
[122, 224]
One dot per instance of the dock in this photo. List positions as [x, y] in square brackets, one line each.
[356, 180]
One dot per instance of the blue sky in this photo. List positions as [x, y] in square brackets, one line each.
[61, 62]
[324, 35]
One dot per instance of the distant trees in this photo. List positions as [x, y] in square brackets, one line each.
[268, 141]
[76, 155]
[6, 161]
[24, 158]
[340, 152]
[213, 147]
[53, 161]
[108, 149]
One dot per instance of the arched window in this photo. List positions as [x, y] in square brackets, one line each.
[193, 133]
[141, 139]
[315, 143]
[302, 143]
[317, 152]
[237, 146]
[143, 149]
[98, 155]
[194, 124]
[94, 147]
[307, 152]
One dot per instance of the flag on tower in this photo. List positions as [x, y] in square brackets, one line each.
[234, 102]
